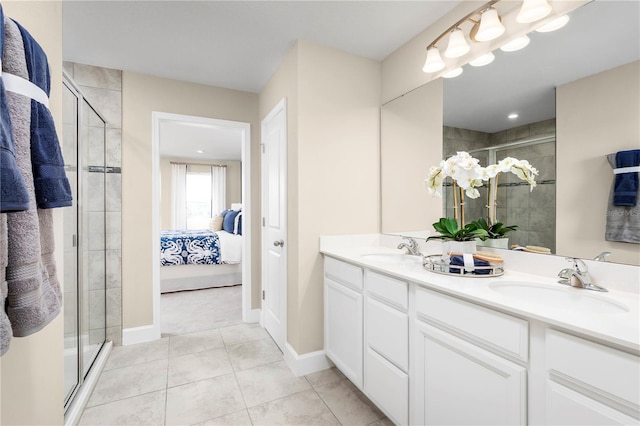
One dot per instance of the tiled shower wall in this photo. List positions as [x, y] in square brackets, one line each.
[533, 211]
[103, 89]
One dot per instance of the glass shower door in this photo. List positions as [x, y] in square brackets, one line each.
[69, 144]
[84, 303]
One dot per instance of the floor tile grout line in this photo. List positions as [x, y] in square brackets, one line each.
[327, 405]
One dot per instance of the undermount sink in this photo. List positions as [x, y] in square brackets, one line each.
[397, 258]
[562, 297]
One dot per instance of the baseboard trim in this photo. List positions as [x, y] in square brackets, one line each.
[308, 363]
[253, 316]
[77, 406]
[146, 333]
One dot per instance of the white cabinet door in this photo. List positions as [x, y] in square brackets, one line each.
[458, 383]
[343, 329]
[387, 387]
[567, 407]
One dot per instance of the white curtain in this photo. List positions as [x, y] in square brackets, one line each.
[218, 189]
[178, 196]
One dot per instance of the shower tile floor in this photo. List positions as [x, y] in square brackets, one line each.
[209, 368]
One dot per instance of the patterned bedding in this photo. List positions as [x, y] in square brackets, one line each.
[189, 247]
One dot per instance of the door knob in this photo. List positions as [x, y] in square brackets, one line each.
[278, 243]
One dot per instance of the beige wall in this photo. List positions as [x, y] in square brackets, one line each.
[596, 115]
[141, 95]
[411, 124]
[333, 157]
[233, 187]
[31, 372]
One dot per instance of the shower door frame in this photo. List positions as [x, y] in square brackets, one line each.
[79, 247]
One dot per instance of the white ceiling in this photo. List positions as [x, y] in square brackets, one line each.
[233, 44]
[184, 140]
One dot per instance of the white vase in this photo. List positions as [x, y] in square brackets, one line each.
[458, 247]
[501, 243]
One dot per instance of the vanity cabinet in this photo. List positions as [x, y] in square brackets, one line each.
[343, 317]
[386, 342]
[580, 389]
[462, 366]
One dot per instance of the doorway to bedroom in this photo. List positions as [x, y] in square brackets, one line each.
[202, 273]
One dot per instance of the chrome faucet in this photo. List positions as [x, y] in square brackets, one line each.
[411, 245]
[578, 276]
[602, 257]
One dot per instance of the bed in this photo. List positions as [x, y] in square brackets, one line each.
[196, 259]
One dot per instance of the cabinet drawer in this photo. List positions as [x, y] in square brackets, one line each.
[387, 331]
[387, 387]
[496, 330]
[343, 273]
[389, 289]
[615, 372]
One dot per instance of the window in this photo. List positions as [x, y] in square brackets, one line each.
[198, 199]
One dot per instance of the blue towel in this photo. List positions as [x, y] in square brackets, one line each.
[13, 192]
[625, 189]
[51, 184]
[459, 261]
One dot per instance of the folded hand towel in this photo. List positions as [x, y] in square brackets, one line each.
[458, 260]
[623, 222]
[13, 191]
[32, 302]
[626, 184]
[51, 185]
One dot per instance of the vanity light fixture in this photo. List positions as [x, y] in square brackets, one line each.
[516, 44]
[489, 28]
[485, 24]
[453, 73]
[458, 45]
[533, 10]
[434, 61]
[556, 24]
[483, 60]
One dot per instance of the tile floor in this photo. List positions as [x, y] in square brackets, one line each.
[211, 369]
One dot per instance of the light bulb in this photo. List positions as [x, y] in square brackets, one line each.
[453, 73]
[458, 45]
[533, 10]
[485, 59]
[516, 44]
[554, 25]
[490, 26]
[434, 61]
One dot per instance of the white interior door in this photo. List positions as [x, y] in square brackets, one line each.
[274, 220]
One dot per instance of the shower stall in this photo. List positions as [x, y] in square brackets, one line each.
[83, 146]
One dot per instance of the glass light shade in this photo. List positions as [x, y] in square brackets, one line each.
[490, 26]
[434, 61]
[453, 73]
[554, 25]
[533, 10]
[516, 44]
[483, 60]
[458, 45]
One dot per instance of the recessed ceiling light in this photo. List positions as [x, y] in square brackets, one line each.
[513, 116]
[200, 151]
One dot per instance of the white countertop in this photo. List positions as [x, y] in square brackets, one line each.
[619, 328]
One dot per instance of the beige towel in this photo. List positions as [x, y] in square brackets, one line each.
[32, 301]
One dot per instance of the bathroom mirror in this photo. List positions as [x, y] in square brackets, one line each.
[599, 36]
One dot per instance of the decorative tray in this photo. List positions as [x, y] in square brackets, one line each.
[438, 264]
